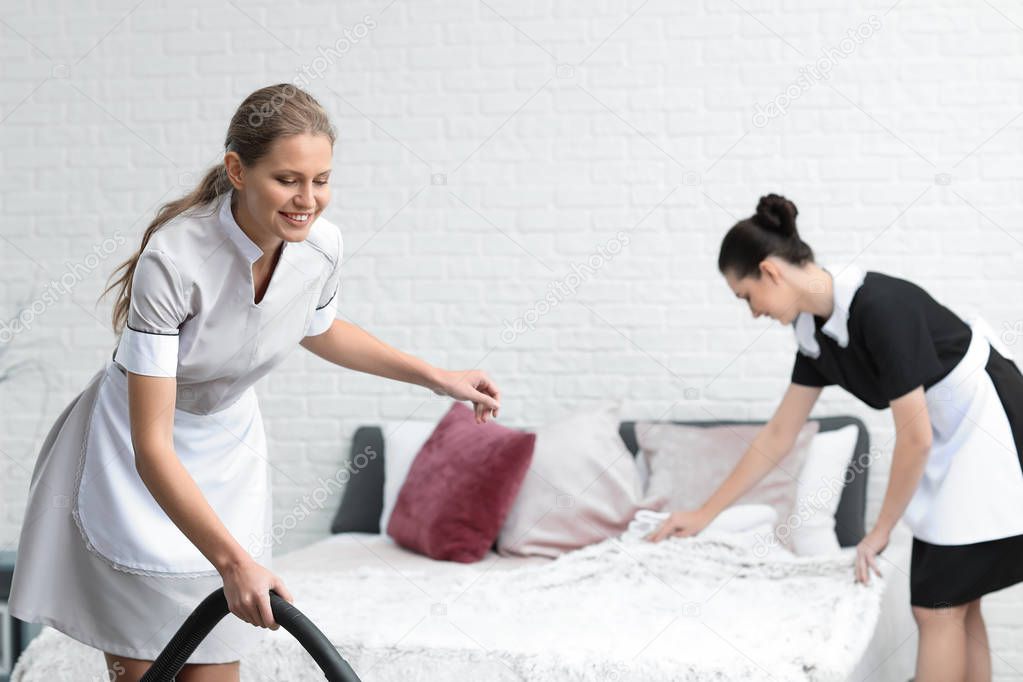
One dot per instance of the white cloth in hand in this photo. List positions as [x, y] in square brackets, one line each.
[747, 524]
[645, 521]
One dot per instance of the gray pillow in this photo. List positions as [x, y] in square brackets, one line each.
[362, 499]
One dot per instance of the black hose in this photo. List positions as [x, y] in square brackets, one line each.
[210, 612]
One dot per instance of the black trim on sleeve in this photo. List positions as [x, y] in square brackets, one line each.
[143, 331]
[321, 307]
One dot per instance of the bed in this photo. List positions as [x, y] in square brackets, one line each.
[612, 611]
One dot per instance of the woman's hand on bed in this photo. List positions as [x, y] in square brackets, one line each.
[680, 524]
[866, 553]
[247, 587]
[473, 385]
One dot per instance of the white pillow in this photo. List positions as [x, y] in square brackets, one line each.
[750, 526]
[581, 487]
[744, 518]
[402, 442]
[819, 490]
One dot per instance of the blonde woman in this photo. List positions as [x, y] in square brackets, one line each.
[152, 488]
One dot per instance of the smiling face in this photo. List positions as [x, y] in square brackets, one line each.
[770, 294]
[286, 190]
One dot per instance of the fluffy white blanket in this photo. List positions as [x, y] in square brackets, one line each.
[698, 608]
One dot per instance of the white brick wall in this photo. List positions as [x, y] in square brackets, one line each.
[550, 127]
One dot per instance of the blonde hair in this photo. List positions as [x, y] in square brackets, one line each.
[265, 116]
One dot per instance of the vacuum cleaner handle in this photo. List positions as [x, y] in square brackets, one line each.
[210, 612]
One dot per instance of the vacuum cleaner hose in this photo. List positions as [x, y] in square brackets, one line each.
[210, 612]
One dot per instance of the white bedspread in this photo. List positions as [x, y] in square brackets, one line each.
[696, 608]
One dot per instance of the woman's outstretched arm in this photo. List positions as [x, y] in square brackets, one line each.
[350, 346]
[771, 444]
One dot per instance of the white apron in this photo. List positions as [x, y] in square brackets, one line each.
[224, 452]
[972, 486]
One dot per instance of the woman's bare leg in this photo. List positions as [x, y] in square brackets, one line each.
[210, 672]
[941, 656]
[978, 654]
[124, 669]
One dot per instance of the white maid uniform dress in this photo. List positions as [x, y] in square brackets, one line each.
[98, 558]
[887, 336]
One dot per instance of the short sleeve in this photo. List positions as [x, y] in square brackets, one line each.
[157, 307]
[326, 307]
[899, 341]
[805, 373]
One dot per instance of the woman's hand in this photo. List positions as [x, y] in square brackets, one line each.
[474, 385]
[866, 553]
[247, 587]
[680, 524]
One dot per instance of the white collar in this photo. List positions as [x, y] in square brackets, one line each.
[249, 248]
[845, 282]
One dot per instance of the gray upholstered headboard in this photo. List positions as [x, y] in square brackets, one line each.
[363, 498]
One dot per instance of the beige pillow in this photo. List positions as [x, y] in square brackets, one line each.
[582, 487]
[688, 463]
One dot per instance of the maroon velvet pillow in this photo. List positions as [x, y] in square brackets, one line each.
[460, 487]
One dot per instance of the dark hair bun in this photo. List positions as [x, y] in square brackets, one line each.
[777, 214]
